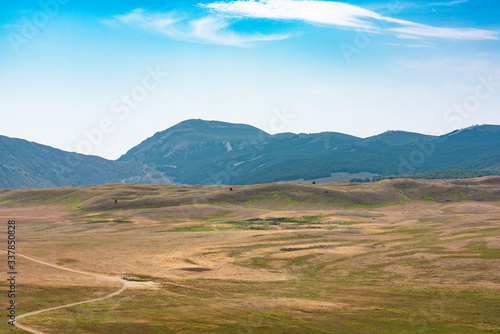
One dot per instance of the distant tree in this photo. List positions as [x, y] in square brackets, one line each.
[360, 180]
[441, 174]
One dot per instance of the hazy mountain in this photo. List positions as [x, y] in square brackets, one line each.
[395, 138]
[25, 164]
[189, 151]
[196, 139]
[475, 148]
[197, 151]
[210, 152]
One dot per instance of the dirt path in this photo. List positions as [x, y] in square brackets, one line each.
[34, 331]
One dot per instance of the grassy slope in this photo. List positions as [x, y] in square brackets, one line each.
[340, 195]
[345, 261]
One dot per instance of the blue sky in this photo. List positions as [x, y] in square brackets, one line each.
[99, 77]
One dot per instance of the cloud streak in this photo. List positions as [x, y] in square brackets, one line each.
[423, 31]
[319, 12]
[212, 23]
[451, 3]
[209, 29]
[344, 15]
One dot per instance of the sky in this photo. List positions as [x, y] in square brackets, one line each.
[99, 77]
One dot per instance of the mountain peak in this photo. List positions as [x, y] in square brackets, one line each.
[194, 136]
[210, 125]
[396, 138]
[484, 127]
[198, 151]
[475, 128]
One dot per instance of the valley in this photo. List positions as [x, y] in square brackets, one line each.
[411, 256]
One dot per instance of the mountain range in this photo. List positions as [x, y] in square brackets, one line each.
[212, 152]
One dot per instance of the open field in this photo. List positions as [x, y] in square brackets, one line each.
[396, 256]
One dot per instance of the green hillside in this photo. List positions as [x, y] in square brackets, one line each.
[25, 164]
[212, 152]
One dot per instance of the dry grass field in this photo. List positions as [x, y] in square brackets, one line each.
[396, 256]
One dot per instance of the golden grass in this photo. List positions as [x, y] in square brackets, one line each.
[346, 261]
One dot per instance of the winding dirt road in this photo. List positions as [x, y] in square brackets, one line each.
[34, 331]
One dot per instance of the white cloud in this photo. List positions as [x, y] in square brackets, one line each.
[415, 46]
[343, 15]
[452, 3]
[214, 30]
[322, 12]
[210, 29]
[445, 33]
[215, 27]
[399, 6]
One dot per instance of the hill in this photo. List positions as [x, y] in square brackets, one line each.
[25, 164]
[394, 153]
[213, 152]
[275, 195]
[418, 255]
[394, 138]
[186, 150]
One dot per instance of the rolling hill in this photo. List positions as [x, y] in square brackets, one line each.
[212, 152]
[25, 164]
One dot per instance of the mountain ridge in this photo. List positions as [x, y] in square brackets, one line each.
[196, 151]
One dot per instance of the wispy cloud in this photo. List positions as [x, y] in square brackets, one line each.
[420, 30]
[399, 6]
[345, 16]
[214, 24]
[448, 3]
[210, 29]
[321, 12]
[416, 46]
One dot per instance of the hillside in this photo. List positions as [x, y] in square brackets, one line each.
[394, 138]
[185, 151]
[299, 258]
[25, 164]
[212, 152]
[476, 148]
[331, 195]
